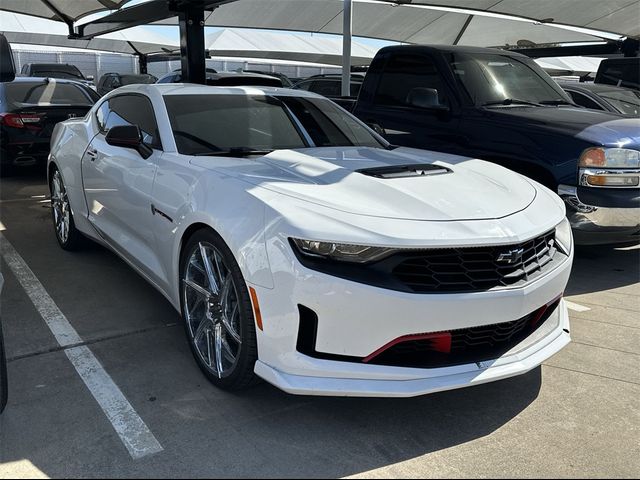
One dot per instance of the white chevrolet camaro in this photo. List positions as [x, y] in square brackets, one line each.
[302, 248]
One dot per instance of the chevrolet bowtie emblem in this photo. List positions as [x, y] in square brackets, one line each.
[512, 256]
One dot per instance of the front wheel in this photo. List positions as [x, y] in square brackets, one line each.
[217, 312]
[68, 236]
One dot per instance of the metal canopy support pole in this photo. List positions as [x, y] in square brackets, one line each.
[346, 47]
[142, 63]
[192, 54]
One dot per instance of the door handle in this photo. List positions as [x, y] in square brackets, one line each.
[92, 153]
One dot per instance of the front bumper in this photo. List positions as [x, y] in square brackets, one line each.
[380, 381]
[600, 225]
[355, 320]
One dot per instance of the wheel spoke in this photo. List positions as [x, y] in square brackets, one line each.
[227, 350]
[227, 322]
[218, 349]
[208, 334]
[224, 293]
[193, 308]
[200, 331]
[218, 263]
[197, 288]
[206, 261]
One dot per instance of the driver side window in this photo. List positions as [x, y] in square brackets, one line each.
[131, 110]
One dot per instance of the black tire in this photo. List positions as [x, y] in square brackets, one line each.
[74, 239]
[241, 374]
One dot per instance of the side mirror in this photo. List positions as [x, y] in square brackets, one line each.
[426, 98]
[128, 136]
[7, 67]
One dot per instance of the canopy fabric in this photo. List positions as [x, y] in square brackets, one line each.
[413, 23]
[70, 9]
[279, 46]
[131, 40]
[617, 16]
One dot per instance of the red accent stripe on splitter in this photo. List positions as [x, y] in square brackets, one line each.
[441, 343]
[543, 309]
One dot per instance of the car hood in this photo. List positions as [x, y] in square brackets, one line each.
[472, 190]
[598, 128]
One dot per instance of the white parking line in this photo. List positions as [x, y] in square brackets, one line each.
[575, 307]
[133, 432]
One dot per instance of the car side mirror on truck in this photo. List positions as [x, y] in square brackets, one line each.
[426, 98]
[128, 136]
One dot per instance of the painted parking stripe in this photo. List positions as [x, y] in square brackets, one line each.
[575, 307]
[133, 432]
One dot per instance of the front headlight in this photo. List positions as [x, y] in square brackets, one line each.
[610, 167]
[342, 252]
[564, 237]
[610, 158]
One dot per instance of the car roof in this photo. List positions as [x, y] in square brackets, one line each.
[49, 65]
[45, 79]
[168, 89]
[448, 49]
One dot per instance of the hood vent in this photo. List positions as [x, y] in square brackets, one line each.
[403, 171]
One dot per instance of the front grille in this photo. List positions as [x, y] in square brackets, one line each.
[468, 345]
[477, 268]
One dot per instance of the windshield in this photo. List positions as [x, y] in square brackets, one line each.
[626, 101]
[494, 79]
[210, 124]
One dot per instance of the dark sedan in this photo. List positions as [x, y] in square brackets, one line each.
[604, 97]
[29, 109]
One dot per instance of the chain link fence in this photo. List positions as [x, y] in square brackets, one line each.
[99, 63]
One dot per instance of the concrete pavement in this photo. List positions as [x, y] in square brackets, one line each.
[577, 415]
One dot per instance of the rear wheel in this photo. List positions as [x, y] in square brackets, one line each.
[217, 312]
[67, 234]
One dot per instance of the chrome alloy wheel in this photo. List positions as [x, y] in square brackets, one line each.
[61, 208]
[211, 309]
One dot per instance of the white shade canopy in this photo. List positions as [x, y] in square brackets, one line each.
[37, 31]
[60, 10]
[279, 46]
[470, 22]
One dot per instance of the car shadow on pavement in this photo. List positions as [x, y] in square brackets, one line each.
[603, 267]
[337, 437]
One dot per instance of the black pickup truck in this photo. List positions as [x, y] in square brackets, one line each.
[502, 107]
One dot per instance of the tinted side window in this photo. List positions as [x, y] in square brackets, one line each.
[584, 101]
[402, 74]
[134, 110]
[303, 85]
[101, 115]
[328, 88]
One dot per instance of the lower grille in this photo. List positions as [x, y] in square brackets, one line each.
[457, 347]
[437, 349]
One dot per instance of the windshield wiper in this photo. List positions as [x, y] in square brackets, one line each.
[511, 101]
[234, 152]
[556, 102]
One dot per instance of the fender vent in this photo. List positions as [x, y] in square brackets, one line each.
[403, 171]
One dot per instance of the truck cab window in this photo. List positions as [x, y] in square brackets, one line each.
[404, 73]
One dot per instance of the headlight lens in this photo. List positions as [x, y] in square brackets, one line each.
[564, 236]
[340, 251]
[610, 158]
